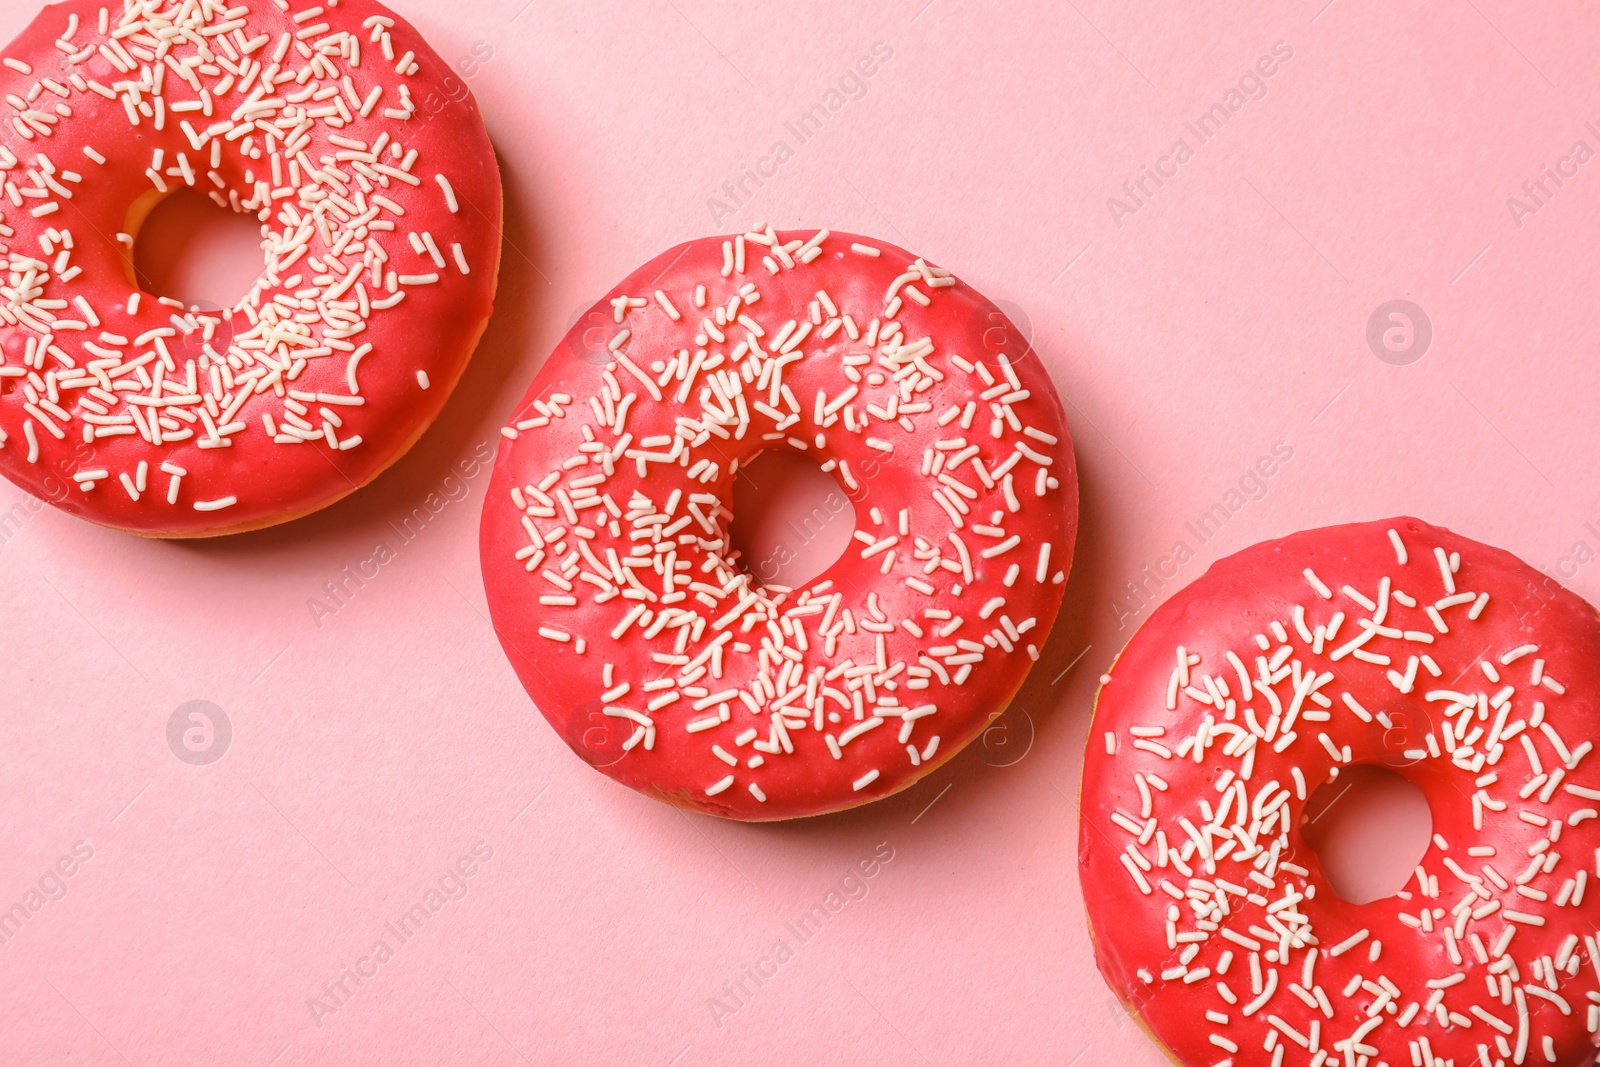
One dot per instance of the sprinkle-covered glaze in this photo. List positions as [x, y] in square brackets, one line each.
[368, 166]
[1393, 643]
[605, 546]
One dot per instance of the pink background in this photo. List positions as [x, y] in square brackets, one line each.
[376, 745]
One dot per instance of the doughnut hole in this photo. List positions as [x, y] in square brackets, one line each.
[791, 520]
[1370, 828]
[189, 249]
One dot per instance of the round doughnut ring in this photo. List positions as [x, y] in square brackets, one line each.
[605, 536]
[368, 166]
[1393, 643]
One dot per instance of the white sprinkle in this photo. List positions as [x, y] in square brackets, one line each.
[449, 193]
[1399, 547]
[1316, 583]
[1349, 943]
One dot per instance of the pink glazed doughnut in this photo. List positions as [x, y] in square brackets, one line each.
[380, 235]
[1393, 642]
[605, 547]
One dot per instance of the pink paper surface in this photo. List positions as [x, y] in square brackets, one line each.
[381, 740]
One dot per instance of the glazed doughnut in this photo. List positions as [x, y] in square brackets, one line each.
[605, 535]
[1382, 642]
[370, 171]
